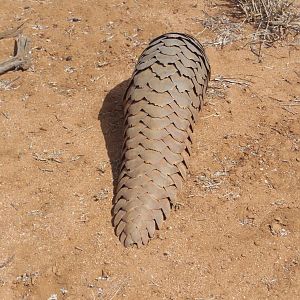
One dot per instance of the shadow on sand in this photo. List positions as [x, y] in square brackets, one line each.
[111, 121]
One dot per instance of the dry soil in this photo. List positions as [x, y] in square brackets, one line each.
[235, 233]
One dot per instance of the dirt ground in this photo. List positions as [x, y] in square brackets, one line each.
[236, 232]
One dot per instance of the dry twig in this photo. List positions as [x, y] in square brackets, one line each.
[226, 31]
[6, 262]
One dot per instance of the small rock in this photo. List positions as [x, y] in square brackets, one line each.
[278, 229]
[64, 291]
[102, 195]
[100, 292]
[104, 276]
[101, 167]
[70, 70]
[275, 228]
[256, 243]
[160, 236]
[74, 19]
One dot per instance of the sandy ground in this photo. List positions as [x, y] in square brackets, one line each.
[236, 232]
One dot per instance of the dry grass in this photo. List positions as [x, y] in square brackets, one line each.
[274, 19]
[226, 31]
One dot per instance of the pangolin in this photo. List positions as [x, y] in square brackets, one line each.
[161, 105]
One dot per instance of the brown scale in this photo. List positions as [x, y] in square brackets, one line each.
[160, 107]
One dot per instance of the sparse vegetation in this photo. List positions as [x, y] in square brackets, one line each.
[274, 19]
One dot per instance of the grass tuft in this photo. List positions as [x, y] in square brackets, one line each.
[274, 19]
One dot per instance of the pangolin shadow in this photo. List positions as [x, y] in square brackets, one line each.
[111, 119]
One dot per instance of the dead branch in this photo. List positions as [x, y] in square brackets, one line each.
[22, 59]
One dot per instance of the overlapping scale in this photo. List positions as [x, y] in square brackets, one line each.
[160, 107]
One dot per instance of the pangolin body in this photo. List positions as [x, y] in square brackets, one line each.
[161, 105]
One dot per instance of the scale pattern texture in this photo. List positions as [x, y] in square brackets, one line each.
[161, 106]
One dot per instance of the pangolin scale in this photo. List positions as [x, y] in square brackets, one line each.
[161, 105]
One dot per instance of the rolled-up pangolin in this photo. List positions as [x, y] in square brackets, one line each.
[161, 106]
